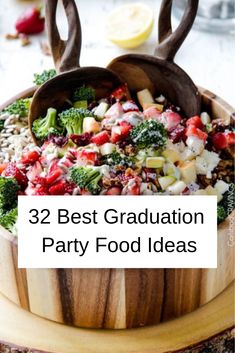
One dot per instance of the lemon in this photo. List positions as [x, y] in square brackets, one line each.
[130, 25]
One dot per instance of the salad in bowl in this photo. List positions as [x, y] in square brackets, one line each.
[119, 145]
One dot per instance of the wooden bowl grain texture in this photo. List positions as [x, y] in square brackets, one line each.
[118, 298]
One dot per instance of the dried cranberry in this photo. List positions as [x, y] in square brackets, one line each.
[60, 141]
[177, 134]
[81, 140]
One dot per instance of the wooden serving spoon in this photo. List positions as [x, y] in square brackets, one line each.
[66, 55]
[159, 73]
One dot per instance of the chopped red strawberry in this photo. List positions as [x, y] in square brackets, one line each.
[220, 141]
[192, 130]
[196, 121]
[53, 176]
[101, 138]
[34, 171]
[30, 157]
[170, 119]
[61, 188]
[130, 106]
[120, 92]
[119, 133]
[87, 157]
[12, 171]
[115, 190]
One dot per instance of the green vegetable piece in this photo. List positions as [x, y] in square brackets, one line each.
[84, 94]
[8, 194]
[72, 120]
[221, 214]
[46, 75]
[8, 219]
[43, 127]
[117, 159]
[86, 178]
[150, 133]
[19, 107]
[80, 104]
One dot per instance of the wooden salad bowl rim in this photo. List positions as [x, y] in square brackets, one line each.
[179, 334]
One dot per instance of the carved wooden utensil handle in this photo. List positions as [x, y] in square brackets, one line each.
[170, 42]
[66, 53]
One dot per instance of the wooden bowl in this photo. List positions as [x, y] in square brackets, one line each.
[119, 298]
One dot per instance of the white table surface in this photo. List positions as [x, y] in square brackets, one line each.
[208, 58]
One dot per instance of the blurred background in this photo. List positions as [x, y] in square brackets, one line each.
[208, 56]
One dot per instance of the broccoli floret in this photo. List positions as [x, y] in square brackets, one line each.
[43, 127]
[227, 204]
[46, 75]
[221, 214]
[86, 178]
[8, 219]
[72, 120]
[8, 194]
[150, 133]
[19, 107]
[117, 159]
[1, 125]
[84, 94]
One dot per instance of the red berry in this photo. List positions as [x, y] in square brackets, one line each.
[120, 92]
[30, 22]
[12, 171]
[192, 130]
[87, 157]
[81, 140]
[30, 157]
[196, 121]
[61, 188]
[177, 134]
[52, 177]
[219, 141]
[101, 138]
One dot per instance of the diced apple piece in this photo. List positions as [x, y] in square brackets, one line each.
[195, 144]
[166, 181]
[155, 162]
[187, 154]
[159, 107]
[101, 110]
[107, 148]
[91, 125]
[177, 188]
[221, 186]
[145, 97]
[188, 171]
[171, 155]
[212, 191]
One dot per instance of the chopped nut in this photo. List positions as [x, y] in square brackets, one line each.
[11, 36]
[24, 40]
